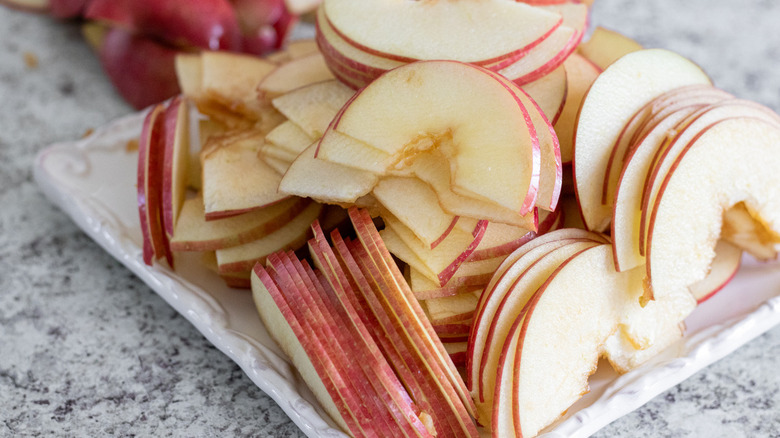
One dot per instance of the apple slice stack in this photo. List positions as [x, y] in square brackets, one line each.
[357, 305]
[520, 41]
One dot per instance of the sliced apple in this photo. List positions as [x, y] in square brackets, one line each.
[290, 137]
[194, 233]
[292, 235]
[580, 73]
[232, 78]
[293, 74]
[743, 230]
[312, 107]
[612, 100]
[549, 92]
[151, 149]
[606, 46]
[224, 194]
[500, 240]
[189, 73]
[334, 183]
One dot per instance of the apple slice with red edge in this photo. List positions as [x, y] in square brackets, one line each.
[580, 73]
[723, 268]
[175, 162]
[293, 74]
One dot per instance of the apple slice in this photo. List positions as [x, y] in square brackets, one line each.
[224, 194]
[334, 183]
[500, 240]
[383, 115]
[232, 78]
[607, 46]
[175, 162]
[448, 255]
[194, 233]
[612, 100]
[415, 205]
[189, 73]
[293, 74]
[292, 235]
[724, 267]
[455, 308]
[290, 137]
[495, 28]
[312, 107]
[543, 348]
[580, 73]
[719, 162]
[149, 186]
[549, 92]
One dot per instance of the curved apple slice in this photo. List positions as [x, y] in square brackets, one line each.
[495, 28]
[549, 92]
[580, 73]
[494, 159]
[612, 100]
[719, 167]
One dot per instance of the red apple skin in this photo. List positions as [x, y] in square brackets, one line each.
[141, 69]
[65, 9]
[264, 24]
[209, 24]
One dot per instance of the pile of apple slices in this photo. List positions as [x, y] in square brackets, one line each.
[356, 333]
[520, 41]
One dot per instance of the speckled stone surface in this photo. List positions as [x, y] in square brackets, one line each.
[86, 349]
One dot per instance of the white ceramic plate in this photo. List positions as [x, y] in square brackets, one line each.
[93, 180]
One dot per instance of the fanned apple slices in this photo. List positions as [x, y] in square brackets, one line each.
[356, 304]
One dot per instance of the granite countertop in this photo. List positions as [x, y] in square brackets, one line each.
[86, 349]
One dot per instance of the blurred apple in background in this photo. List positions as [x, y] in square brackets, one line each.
[146, 34]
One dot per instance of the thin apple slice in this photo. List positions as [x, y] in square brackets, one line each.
[720, 162]
[580, 73]
[500, 240]
[448, 255]
[390, 116]
[607, 46]
[724, 266]
[149, 186]
[415, 205]
[612, 100]
[224, 194]
[292, 235]
[194, 233]
[279, 165]
[232, 78]
[293, 74]
[496, 28]
[334, 183]
[312, 107]
[290, 137]
[458, 306]
[189, 73]
[531, 272]
[547, 350]
[426, 289]
[175, 162]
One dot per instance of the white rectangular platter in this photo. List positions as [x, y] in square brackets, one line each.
[93, 181]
